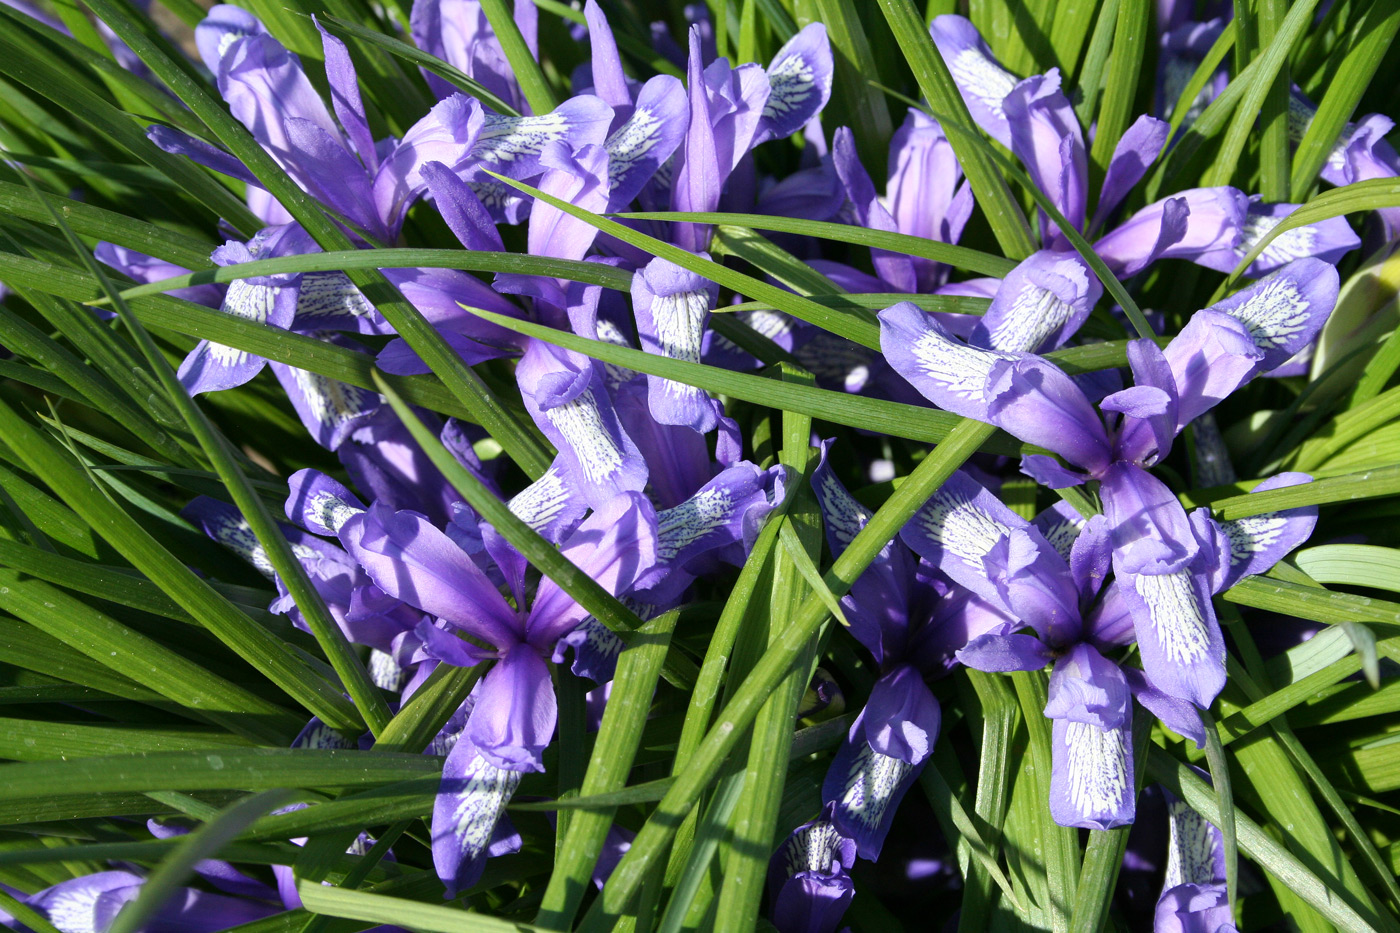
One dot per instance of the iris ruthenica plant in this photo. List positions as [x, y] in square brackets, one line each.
[785, 465]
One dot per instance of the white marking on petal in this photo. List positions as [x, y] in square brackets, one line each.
[959, 527]
[679, 321]
[815, 848]
[844, 515]
[958, 368]
[1035, 314]
[1191, 847]
[630, 144]
[582, 426]
[327, 295]
[332, 402]
[1297, 243]
[250, 302]
[1063, 532]
[74, 909]
[613, 374]
[1177, 616]
[1098, 769]
[1274, 312]
[330, 511]
[1249, 536]
[321, 736]
[980, 77]
[871, 781]
[384, 671]
[793, 81]
[480, 804]
[504, 139]
[691, 520]
[540, 503]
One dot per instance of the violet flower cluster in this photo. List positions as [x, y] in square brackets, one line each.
[651, 491]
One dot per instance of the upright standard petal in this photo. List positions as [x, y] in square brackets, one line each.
[575, 176]
[925, 192]
[1138, 148]
[1040, 304]
[894, 269]
[1046, 137]
[446, 134]
[672, 305]
[945, 370]
[1212, 357]
[699, 175]
[564, 393]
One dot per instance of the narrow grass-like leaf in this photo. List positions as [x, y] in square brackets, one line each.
[289, 569]
[430, 918]
[1060, 853]
[1367, 484]
[1008, 222]
[1125, 65]
[1363, 58]
[618, 738]
[961, 257]
[855, 101]
[164, 883]
[1220, 781]
[941, 796]
[522, 63]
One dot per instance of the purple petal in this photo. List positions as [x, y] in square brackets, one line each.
[1090, 558]
[1179, 716]
[639, 147]
[895, 269]
[1260, 541]
[218, 30]
[1185, 226]
[609, 80]
[1060, 525]
[1000, 653]
[923, 191]
[1327, 240]
[1182, 648]
[328, 301]
[330, 410]
[864, 789]
[550, 505]
[808, 886]
[470, 802]
[1212, 357]
[799, 78]
[345, 98]
[513, 719]
[144, 269]
[1195, 850]
[1188, 908]
[945, 370]
[212, 367]
[446, 134]
[1086, 687]
[411, 560]
[1040, 304]
[615, 545]
[596, 650]
[265, 87]
[1155, 416]
[1091, 778]
[564, 393]
[575, 176]
[1284, 312]
[1048, 472]
[463, 211]
[672, 306]
[902, 717]
[981, 80]
[1046, 137]
[1151, 533]
[1137, 149]
[1034, 400]
[320, 503]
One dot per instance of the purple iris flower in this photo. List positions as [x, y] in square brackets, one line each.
[1194, 897]
[1033, 118]
[809, 888]
[1166, 562]
[1184, 46]
[1361, 153]
[89, 904]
